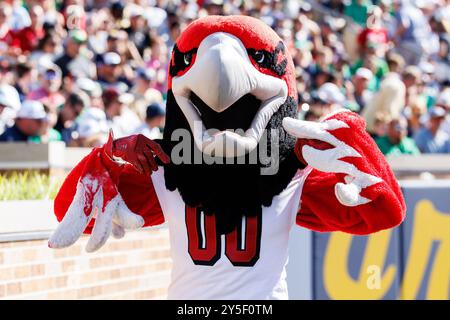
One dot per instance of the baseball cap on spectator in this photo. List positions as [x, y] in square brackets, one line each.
[443, 100]
[51, 74]
[316, 99]
[48, 70]
[334, 23]
[440, 17]
[364, 73]
[89, 128]
[305, 7]
[330, 93]
[154, 110]
[92, 88]
[126, 98]
[146, 74]
[414, 72]
[32, 110]
[92, 121]
[133, 10]
[426, 67]
[111, 59]
[424, 4]
[78, 36]
[437, 112]
[113, 94]
[191, 12]
[9, 97]
[214, 3]
[109, 95]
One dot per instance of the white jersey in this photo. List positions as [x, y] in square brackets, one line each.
[248, 263]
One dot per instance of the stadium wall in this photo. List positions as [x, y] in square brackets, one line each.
[136, 267]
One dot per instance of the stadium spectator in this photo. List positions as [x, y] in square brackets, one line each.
[144, 92]
[374, 34]
[443, 58]
[68, 62]
[30, 122]
[6, 32]
[331, 98]
[6, 71]
[137, 30]
[388, 102]
[443, 101]
[91, 90]
[358, 10]
[27, 39]
[158, 62]
[413, 31]
[48, 132]
[110, 73]
[312, 115]
[92, 129]
[66, 124]
[50, 83]
[396, 142]
[9, 105]
[119, 117]
[154, 122]
[25, 76]
[361, 95]
[47, 49]
[431, 138]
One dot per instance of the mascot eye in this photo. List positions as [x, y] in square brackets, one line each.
[259, 56]
[187, 58]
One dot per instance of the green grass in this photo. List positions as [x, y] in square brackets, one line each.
[28, 185]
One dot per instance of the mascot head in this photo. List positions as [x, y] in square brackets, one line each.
[231, 82]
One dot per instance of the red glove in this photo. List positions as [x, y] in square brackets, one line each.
[96, 197]
[350, 186]
[139, 151]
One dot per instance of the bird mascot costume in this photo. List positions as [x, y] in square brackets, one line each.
[242, 169]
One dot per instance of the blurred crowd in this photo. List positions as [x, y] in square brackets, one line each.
[71, 70]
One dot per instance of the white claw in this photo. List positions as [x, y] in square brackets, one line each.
[349, 194]
[329, 160]
[74, 222]
[126, 218]
[103, 226]
[115, 218]
[118, 232]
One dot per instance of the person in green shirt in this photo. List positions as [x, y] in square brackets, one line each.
[51, 135]
[377, 65]
[48, 133]
[358, 11]
[395, 142]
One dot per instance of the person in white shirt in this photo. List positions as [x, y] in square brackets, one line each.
[154, 121]
[120, 118]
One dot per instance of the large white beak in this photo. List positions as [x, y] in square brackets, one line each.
[221, 75]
